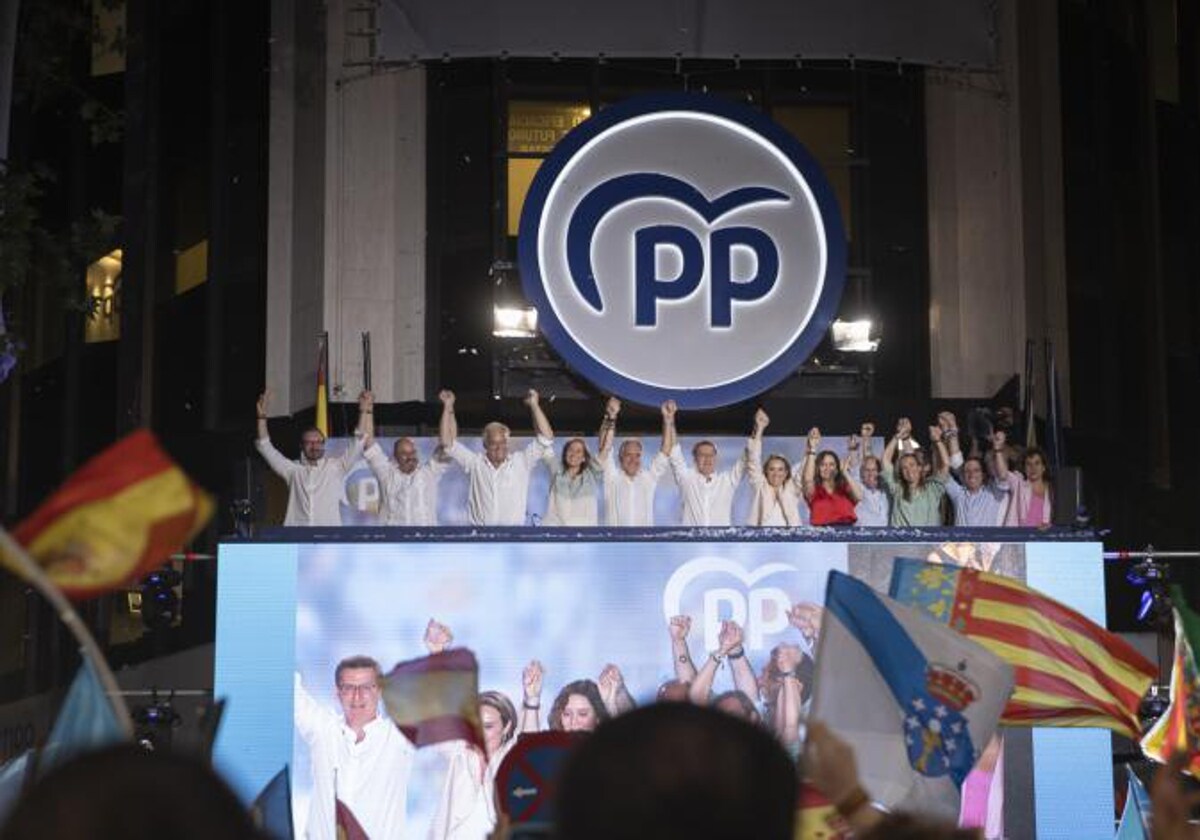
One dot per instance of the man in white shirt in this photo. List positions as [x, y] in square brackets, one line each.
[707, 494]
[408, 488]
[629, 489]
[357, 757]
[498, 480]
[316, 484]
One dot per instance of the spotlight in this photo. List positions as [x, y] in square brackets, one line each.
[514, 321]
[853, 336]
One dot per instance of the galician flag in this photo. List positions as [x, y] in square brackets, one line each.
[916, 700]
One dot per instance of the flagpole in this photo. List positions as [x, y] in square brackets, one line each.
[28, 568]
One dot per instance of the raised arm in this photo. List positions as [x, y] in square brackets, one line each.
[613, 692]
[754, 448]
[949, 426]
[679, 627]
[903, 432]
[608, 428]
[437, 637]
[791, 692]
[941, 460]
[448, 425]
[730, 638]
[261, 425]
[808, 471]
[866, 433]
[668, 431]
[540, 424]
[744, 679]
[998, 458]
[366, 417]
[531, 682]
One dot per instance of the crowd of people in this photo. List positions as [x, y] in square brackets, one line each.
[366, 765]
[906, 485]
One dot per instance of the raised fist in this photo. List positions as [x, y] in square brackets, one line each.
[447, 398]
[679, 627]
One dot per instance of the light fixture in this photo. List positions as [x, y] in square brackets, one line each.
[514, 321]
[853, 336]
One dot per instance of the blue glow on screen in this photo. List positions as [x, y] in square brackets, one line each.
[286, 609]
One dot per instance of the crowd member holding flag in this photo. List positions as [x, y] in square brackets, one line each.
[407, 487]
[918, 698]
[776, 501]
[707, 494]
[499, 480]
[315, 483]
[628, 489]
[1177, 732]
[361, 762]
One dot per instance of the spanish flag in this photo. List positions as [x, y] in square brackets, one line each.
[322, 421]
[1178, 730]
[1069, 670]
[117, 518]
[436, 698]
[817, 818]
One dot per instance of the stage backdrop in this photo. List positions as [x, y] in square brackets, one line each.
[298, 608]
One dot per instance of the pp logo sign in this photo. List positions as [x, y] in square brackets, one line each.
[682, 247]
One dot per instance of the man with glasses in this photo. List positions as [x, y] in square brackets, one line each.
[499, 479]
[358, 757]
[316, 484]
[408, 488]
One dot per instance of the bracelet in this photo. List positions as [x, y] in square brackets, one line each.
[533, 708]
[849, 804]
[262, 417]
[717, 656]
[684, 658]
[738, 652]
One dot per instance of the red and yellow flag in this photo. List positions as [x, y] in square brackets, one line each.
[817, 818]
[1069, 670]
[1178, 730]
[322, 421]
[117, 518]
[436, 698]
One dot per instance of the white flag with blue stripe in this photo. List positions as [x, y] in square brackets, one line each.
[917, 700]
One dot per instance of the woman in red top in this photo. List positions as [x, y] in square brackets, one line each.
[831, 494]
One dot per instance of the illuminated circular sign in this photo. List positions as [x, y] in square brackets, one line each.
[678, 246]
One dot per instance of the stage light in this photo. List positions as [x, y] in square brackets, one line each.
[853, 336]
[514, 321]
[159, 600]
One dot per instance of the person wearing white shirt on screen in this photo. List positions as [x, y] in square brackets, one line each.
[357, 757]
[498, 479]
[408, 488]
[628, 489]
[316, 484]
[707, 494]
[776, 502]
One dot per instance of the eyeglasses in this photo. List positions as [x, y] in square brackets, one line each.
[360, 690]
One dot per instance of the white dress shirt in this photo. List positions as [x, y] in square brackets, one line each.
[707, 500]
[467, 808]
[408, 498]
[315, 490]
[872, 511]
[498, 495]
[369, 776]
[629, 501]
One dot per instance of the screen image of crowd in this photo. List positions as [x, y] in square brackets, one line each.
[953, 480]
[731, 627]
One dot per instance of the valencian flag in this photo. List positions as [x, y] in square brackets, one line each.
[116, 519]
[322, 421]
[1069, 670]
[921, 700]
[348, 826]
[1178, 730]
[436, 698]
